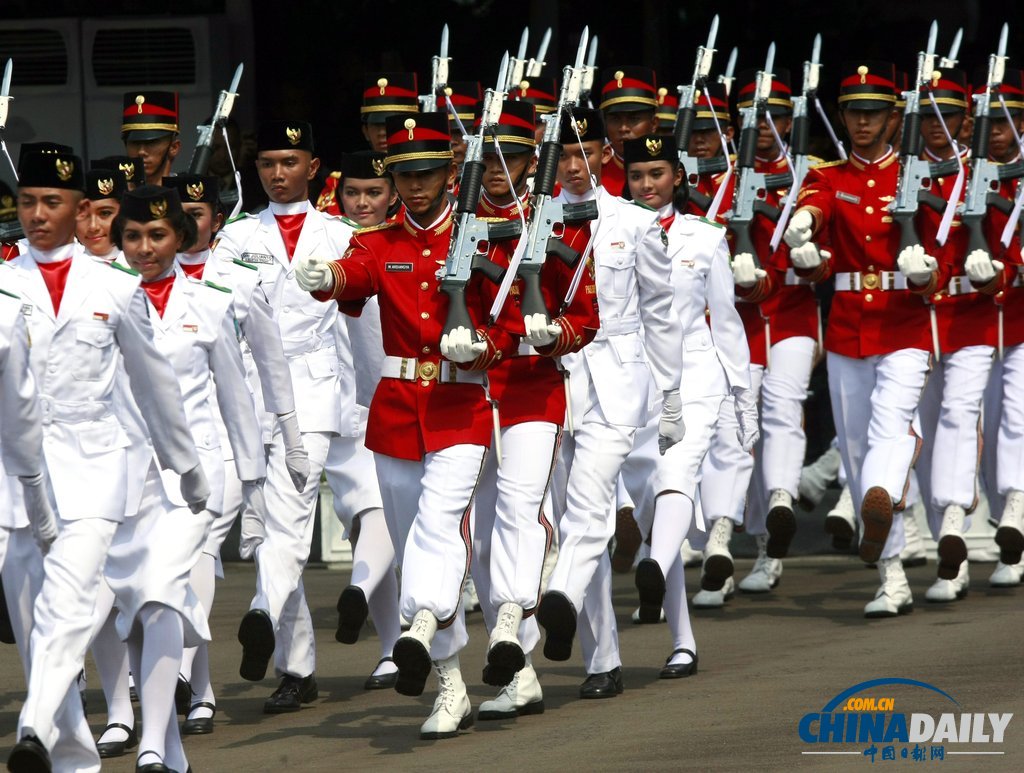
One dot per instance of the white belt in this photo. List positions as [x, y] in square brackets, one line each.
[960, 285]
[293, 347]
[855, 281]
[620, 325]
[445, 372]
[525, 350]
[60, 410]
[793, 279]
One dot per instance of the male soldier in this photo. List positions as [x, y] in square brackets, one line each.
[278, 622]
[384, 94]
[614, 372]
[462, 96]
[628, 102]
[85, 317]
[668, 107]
[512, 530]
[429, 423]
[780, 314]
[542, 93]
[878, 340]
[966, 324]
[149, 129]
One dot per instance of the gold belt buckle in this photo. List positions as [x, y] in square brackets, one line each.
[426, 371]
[869, 281]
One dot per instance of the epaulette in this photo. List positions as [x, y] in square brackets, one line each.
[243, 264]
[9, 295]
[119, 267]
[239, 216]
[336, 175]
[643, 206]
[827, 164]
[208, 283]
[710, 222]
[372, 228]
[346, 221]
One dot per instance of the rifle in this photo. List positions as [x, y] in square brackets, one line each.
[467, 251]
[521, 67]
[438, 75]
[985, 174]
[204, 146]
[547, 216]
[799, 138]
[694, 167]
[10, 231]
[588, 74]
[751, 186]
[728, 76]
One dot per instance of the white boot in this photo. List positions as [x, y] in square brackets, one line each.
[841, 521]
[718, 567]
[1010, 534]
[766, 572]
[817, 476]
[714, 599]
[950, 590]
[504, 652]
[780, 522]
[952, 546]
[689, 556]
[894, 597]
[520, 697]
[452, 711]
[913, 553]
[470, 600]
[412, 653]
[1007, 575]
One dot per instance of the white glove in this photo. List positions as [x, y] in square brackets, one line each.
[670, 427]
[745, 272]
[195, 489]
[253, 518]
[295, 457]
[40, 514]
[808, 256]
[540, 330]
[980, 268]
[312, 274]
[459, 346]
[798, 232]
[746, 415]
[916, 264]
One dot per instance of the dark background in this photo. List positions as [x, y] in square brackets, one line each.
[311, 56]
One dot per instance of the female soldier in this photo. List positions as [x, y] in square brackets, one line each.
[103, 191]
[716, 362]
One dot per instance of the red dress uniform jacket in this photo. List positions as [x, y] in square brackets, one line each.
[849, 201]
[961, 319]
[613, 175]
[1007, 289]
[529, 387]
[400, 263]
[328, 200]
[788, 308]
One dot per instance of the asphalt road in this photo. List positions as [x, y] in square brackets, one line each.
[765, 662]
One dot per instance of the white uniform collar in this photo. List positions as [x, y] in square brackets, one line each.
[291, 208]
[52, 256]
[435, 224]
[572, 198]
[193, 258]
[880, 159]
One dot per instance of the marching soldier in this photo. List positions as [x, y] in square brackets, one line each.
[878, 340]
[429, 423]
[542, 93]
[462, 96]
[628, 103]
[149, 130]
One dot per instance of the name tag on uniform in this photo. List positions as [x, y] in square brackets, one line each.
[26, 309]
[102, 316]
[257, 257]
[398, 267]
[190, 328]
[847, 197]
[618, 245]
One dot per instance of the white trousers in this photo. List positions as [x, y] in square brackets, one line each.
[22, 566]
[874, 404]
[63, 612]
[428, 506]
[282, 557]
[727, 470]
[352, 478]
[950, 416]
[1010, 439]
[511, 531]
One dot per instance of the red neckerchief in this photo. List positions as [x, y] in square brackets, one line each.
[194, 270]
[159, 292]
[56, 276]
[666, 222]
[290, 227]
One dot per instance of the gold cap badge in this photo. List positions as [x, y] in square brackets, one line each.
[378, 166]
[294, 135]
[862, 71]
[138, 101]
[382, 83]
[158, 208]
[195, 190]
[662, 93]
[65, 169]
[523, 86]
[106, 187]
[128, 168]
[410, 124]
[653, 146]
[936, 76]
[581, 126]
[619, 75]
